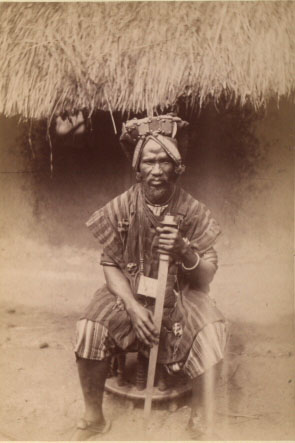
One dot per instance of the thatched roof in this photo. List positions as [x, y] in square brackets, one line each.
[134, 56]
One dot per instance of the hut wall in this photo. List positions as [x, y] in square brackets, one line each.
[241, 166]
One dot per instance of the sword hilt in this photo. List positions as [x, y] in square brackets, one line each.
[168, 220]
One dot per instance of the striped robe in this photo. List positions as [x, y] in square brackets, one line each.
[187, 310]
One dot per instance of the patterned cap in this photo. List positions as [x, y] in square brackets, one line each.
[167, 130]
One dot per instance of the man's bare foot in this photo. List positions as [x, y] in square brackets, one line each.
[197, 426]
[86, 429]
[199, 430]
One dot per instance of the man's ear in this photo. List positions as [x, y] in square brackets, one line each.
[179, 170]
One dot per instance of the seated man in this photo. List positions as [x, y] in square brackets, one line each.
[192, 337]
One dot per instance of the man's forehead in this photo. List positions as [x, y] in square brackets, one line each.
[152, 147]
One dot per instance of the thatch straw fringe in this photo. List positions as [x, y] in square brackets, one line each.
[30, 140]
[139, 55]
[111, 112]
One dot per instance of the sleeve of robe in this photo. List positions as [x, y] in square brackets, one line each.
[202, 231]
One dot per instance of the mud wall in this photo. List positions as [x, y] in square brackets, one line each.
[240, 164]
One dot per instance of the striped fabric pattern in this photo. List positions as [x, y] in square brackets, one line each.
[91, 340]
[199, 226]
[210, 256]
[125, 225]
[207, 350]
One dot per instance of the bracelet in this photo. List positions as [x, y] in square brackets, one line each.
[194, 266]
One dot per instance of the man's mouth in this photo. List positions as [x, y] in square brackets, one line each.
[156, 183]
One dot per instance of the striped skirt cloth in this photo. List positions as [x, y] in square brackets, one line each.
[93, 342]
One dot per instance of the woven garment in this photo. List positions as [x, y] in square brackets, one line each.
[207, 349]
[126, 228]
[118, 224]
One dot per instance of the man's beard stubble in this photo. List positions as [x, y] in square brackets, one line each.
[158, 194]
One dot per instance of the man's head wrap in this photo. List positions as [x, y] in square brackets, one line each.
[167, 130]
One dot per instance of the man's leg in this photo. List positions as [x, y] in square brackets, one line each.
[93, 374]
[205, 358]
[203, 397]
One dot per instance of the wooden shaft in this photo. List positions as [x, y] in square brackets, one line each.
[158, 314]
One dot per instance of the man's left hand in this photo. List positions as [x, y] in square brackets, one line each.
[171, 242]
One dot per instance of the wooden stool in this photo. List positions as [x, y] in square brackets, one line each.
[128, 373]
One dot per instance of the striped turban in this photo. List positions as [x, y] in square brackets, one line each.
[167, 130]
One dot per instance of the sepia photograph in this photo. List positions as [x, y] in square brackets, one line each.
[147, 220]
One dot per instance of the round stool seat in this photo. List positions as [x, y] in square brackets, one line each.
[177, 385]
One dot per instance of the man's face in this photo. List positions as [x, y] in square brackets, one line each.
[157, 172]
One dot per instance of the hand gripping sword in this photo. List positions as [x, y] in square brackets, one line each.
[158, 314]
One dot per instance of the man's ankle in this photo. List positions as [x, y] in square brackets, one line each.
[94, 417]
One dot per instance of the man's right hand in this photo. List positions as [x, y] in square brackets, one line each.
[143, 323]
[141, 318]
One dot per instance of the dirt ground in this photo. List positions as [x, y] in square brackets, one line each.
[42, 292]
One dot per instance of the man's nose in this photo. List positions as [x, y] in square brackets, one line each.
[157, 170]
